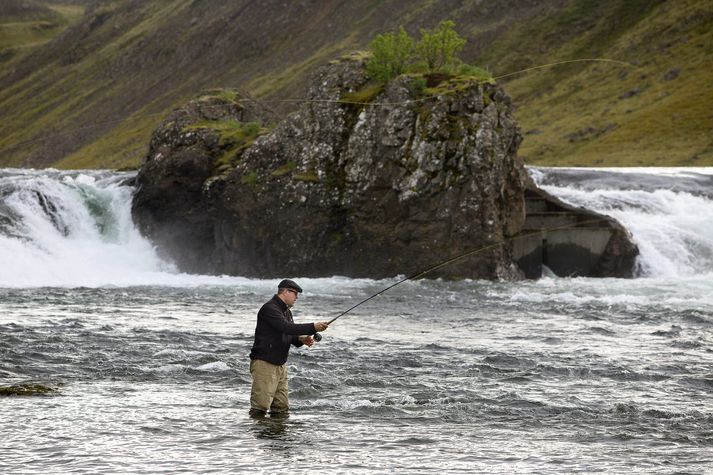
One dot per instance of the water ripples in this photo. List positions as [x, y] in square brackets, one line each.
[164, 373]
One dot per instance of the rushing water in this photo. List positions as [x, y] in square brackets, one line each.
[548, 376]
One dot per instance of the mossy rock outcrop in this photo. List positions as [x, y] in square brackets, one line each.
[373, 188]
[193, 146]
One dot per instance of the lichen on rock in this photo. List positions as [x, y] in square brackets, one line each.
[385, 185]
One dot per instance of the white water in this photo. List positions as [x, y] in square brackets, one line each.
[86, 238]
[558, 375]
[672, 227]
[74, 229]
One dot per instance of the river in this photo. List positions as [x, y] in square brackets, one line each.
[557, 375]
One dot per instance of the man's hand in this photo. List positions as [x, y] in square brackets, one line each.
[320, 326]
[307, 340]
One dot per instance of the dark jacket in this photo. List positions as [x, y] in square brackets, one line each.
[275, 332]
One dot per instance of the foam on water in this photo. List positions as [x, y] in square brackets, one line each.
[72, 229]
[214, 367]
[558, 375]
[672, 227]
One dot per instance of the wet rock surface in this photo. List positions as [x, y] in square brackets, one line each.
[362, 181]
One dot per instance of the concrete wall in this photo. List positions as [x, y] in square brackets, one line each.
[569, 241]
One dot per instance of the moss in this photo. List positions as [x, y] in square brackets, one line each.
[225, 163]
[231, 132]
[250, 178]
[284, 169]
[456, 85]
[417, 84]
[235, 137]
[457, 125]
[310, 177]
[26, 390]
[363, 96]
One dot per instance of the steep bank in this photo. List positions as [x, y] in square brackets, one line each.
[364, 180]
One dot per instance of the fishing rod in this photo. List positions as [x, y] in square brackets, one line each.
[318, 337]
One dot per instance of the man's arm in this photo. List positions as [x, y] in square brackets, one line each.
[274, 318]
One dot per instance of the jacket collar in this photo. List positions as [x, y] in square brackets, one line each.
[280, 303]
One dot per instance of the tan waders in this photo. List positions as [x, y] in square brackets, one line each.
[269, 390]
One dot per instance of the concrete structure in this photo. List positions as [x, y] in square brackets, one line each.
[570, 241]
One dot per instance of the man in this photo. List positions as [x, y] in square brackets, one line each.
[274, 333]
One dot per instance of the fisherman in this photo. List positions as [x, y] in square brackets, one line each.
[274, 333]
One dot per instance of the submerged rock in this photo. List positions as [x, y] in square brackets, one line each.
[26, 390]
[363, 181]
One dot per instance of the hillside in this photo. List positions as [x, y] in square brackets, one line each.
[27, 24]
[90, 93]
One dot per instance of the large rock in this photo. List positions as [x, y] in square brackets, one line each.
[363, 181]
[170, 205]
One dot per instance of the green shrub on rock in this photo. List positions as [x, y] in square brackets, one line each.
[439, 48]
[390, 54]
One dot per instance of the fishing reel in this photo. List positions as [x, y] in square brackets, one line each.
[317, 337]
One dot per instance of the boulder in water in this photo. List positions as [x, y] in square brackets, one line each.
[364, 180]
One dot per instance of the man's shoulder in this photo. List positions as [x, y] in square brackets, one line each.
[271, 306]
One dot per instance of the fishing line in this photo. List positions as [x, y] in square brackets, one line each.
[451, 260]
[548, 65]
[308, 101]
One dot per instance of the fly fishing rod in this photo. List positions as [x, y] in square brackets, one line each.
[318, 337]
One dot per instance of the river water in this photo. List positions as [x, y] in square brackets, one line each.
[558, 375]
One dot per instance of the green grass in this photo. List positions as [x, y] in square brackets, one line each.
[21, 35]
[667, 123]
[95, 108]
[365, 95]
[280, 86]
[227, 95]
[125, 147]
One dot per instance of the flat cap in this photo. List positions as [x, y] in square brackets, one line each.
[289, 284]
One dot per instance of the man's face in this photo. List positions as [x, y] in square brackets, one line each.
[289, 296]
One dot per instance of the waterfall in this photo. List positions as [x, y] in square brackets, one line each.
[71, 229]
[74, 228]
[668, 211]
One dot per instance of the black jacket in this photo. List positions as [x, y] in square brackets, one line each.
[275, 332]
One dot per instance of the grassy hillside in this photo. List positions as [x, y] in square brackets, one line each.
[27, 24]
[657, 111]
[89, 92]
